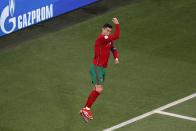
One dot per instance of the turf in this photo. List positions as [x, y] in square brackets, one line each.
[45, 80]
[185, 108]
[161, 123]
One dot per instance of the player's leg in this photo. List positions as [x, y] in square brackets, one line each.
[98, 76]
[85, 112]
[93, 96]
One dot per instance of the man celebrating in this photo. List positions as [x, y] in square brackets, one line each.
[103, 45]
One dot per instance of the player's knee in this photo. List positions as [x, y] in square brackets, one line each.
[99, 88]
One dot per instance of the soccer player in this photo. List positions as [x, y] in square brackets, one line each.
[103, 45]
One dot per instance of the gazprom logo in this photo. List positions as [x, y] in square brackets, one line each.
[9, 9]
[10, 22]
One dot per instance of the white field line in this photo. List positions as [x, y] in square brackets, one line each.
[176, 115]
[150, 113]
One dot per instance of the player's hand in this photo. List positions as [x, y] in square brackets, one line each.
[115, 20]
[116, 61]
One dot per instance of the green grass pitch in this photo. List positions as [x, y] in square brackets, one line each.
[45, 81]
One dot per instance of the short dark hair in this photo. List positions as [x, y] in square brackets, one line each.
[107, 26]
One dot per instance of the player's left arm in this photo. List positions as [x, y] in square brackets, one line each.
[115, 54]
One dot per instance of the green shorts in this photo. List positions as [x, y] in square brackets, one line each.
[97, 74]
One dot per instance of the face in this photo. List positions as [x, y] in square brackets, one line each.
[106, 31]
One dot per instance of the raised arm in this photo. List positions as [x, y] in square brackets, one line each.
[113, 36]
[116, 34]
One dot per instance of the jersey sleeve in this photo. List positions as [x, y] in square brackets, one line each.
[114, 51]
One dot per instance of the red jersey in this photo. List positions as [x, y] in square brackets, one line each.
[103, 46]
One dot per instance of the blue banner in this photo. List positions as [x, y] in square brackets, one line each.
[18, 14]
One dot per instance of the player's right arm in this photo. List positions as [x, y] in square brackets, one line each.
[116, 34]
